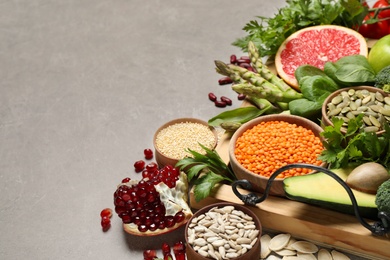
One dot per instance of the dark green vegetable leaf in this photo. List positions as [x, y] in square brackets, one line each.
[238, 115]
[205, 184]
[315, 89]
[304, 107]
[204, 171]
[355, 74]
[351, 70]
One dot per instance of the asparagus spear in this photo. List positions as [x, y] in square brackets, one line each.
[263, 92]
[263, 69]
[256, 85]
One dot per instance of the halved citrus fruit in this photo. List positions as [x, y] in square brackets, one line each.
[315, 46]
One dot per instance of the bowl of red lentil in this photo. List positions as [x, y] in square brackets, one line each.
[173, 139]
[263, 145]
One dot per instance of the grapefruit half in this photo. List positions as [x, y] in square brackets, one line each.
[315, 46]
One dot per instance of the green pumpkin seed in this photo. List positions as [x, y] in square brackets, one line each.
[366, 100]
[371, 129]
[337, 100]
[367, 121]
[385, 112]
[334, 112]
[387, 100]
[379, 96]
[374, 121]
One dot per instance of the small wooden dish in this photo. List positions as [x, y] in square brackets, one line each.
[163, 159]
[326, 121]
[251, 254]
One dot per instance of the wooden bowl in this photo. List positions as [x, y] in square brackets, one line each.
[258, 181]
[251, 254]
[193, 139]
[327, 121]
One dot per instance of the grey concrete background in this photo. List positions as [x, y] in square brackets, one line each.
[84, 85]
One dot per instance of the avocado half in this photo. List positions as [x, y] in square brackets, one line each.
[322, 190]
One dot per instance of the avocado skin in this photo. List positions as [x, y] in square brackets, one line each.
[321, 190]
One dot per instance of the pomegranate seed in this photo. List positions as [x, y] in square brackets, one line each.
[169, 221]
[161, 224]
[225, 80]
[179, 250]
[179, 217]
[233, 59]
[107, 212]
[150, 254]
[142, 228]
[148, 154]
[145, 174]
[139, 165]
[212, 97]
[125, 180]
[220, 103]
[105, 223]
[166, 249]
[151, 167]
[153, 227]
[241, 96]
[227, 100]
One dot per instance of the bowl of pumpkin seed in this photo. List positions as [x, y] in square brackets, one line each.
[348, 103]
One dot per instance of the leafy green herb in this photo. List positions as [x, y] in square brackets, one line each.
[268, 33]
[356, 146]
[205, 171]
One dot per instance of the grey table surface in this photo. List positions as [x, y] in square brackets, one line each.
[84, 86]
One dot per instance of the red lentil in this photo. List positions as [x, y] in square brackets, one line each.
[270, 145]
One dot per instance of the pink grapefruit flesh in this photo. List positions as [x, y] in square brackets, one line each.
[315, 46]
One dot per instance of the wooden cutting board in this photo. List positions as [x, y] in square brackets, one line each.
[324, 227]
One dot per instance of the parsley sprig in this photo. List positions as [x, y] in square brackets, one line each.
[204, 171]
[356, 146]
[268, 33]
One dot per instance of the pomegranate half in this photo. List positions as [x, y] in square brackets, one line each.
[154, 205]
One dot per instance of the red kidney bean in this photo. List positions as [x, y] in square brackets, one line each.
[245, 59]
[245, 65]
[227, 100]
[241, 96]
[212, 97]
[225, 80]
[233, 59]
[220, 103]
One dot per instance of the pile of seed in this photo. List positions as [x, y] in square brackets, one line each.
[373, 105]
[174, 140]
[222, 233]
[284, 246]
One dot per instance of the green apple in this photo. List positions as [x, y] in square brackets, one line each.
[379, 55]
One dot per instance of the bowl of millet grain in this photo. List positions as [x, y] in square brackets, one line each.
[173, 139]
[264, 144]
